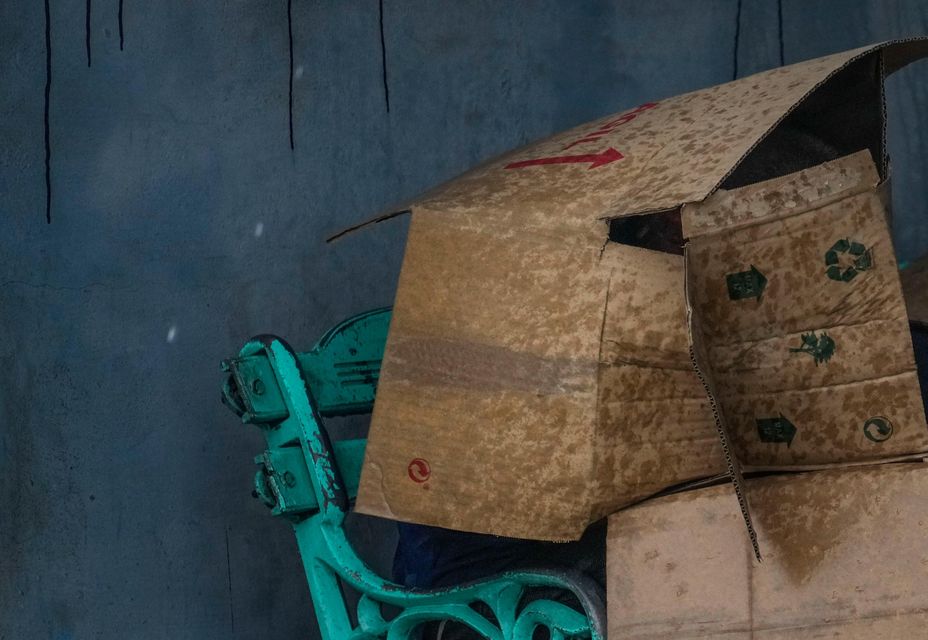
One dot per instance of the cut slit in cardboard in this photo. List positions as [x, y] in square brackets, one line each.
[544, 376]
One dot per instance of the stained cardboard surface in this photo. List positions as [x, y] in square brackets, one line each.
[535, 376]
[845, 557]
[587, 425]
[814, 364]
[653, 157]
[650, 158]
[655, 425]
[506, 351]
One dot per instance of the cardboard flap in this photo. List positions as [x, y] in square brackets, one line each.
[659, 156]
[845, 557]
[703, 366]
[500, 408]
[519, 373]
[486, 404]
[656, 428]
[728, 210]
[388, 214]
[801, 315]
[915, 288]
[899, 53]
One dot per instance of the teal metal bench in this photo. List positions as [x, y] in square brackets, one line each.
[311, 481]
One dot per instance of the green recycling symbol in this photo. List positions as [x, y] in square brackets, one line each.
[878, 429]
[846, 259]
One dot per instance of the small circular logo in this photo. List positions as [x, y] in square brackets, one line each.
[878, 429]
[419, 470]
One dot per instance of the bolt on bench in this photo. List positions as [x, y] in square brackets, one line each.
[307, 479]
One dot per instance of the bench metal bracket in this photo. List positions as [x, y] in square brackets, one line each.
[310, 481]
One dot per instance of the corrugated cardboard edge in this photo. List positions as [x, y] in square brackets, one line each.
[834, 180]
[703, 371]
[377, 500]
[915, 457]
[406, 206]
[893, 56]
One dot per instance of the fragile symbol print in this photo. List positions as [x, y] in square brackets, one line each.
[821, 348]
[846, 259]
[419, 470]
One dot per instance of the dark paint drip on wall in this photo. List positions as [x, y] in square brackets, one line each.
[383, 61]
[290, 42]
[229, 570]
[734, 73]
[121, 35]
[87, 31]
[48, 90]
[780, 27]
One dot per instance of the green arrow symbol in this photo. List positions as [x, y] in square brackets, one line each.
[746, 284]
[776, 430]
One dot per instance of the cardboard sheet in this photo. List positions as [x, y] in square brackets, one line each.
[796, 285]
[656, 428]
[846, 557]
[535, 376]
[494, 340]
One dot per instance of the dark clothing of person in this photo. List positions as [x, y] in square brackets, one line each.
[430, 557]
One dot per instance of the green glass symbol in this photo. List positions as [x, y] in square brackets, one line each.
[776, 430]
[846, 259]
[878, 429]
[746, 284]
[821, 348]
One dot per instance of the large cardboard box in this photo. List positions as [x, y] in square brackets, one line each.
[538, 377]
[845, 556]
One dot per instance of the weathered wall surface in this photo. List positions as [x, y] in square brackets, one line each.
[182, 223]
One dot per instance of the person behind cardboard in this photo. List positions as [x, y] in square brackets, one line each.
[430, 557]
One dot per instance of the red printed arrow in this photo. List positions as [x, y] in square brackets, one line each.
[595, 159]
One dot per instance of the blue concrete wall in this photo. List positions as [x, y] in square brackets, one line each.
[182, 223]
